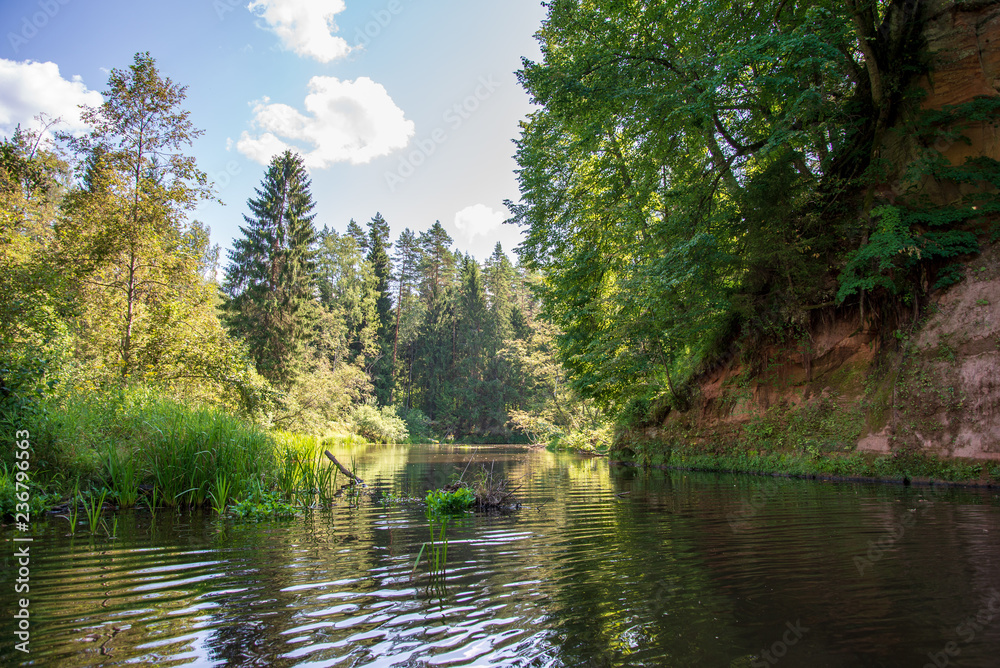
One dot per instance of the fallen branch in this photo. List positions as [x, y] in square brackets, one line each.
[342, 468]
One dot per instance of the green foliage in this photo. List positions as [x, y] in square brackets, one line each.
[443, 502]
[896, 247]
[378, 258]
[270, 278]
[261, 504]
[136, 437]
[138, 268]
[379, 425]
[418, 425]
[39, 501]
[668, 179]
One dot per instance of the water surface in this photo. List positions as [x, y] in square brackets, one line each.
[602, 566]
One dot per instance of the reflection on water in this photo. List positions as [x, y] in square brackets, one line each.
[602, 566]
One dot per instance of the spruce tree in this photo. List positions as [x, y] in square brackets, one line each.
[271, 274]
[378, 257]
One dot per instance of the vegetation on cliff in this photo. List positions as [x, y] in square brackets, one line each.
[704, 182]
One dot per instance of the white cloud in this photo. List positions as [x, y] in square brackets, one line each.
[28, 88]
[305, 26]
[478, 220]
[346, 121]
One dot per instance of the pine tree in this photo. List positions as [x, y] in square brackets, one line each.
[347, 285]
[360, 238]
[408, 259]
[498, 274]
[271, 275]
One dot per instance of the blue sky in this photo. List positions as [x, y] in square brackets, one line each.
[406, 107]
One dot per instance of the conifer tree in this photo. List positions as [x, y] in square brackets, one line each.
[270, 279]
[360, 238]
[378, 257]
[407, 258]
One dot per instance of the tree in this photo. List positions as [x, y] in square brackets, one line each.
[360, 238]
[378, 257]
[271, 276]
[408, 258]
[684, 178]
[346, 286]
[498, 274]
[34, 333]
[126, 222]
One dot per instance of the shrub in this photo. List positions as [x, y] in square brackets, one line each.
[379, 426]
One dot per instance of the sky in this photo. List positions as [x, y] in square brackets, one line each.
[403, 107]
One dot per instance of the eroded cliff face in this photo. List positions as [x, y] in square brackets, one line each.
[931, 386]
[943, 394]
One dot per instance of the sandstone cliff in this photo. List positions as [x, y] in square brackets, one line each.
[931, 385]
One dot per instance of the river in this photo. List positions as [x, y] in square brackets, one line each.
[601, 566]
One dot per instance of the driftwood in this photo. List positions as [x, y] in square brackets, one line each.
[343, 469]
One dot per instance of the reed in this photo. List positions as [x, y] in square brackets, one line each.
[93, 506]
[220, 494]
[122, 472]
[74, 508]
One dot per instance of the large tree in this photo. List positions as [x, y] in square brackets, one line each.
[125, 230]
[378, 257]
[271, 276]
[407, 259]
[696, 169]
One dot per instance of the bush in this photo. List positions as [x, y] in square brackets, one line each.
[379, 426]
[418, 425]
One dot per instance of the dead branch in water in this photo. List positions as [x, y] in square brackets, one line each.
[343, 469]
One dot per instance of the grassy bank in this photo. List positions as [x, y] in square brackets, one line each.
[137, 447]
[899, 468]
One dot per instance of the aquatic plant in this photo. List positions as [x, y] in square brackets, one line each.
[123, 476]
[93, 506]
[443, 501]
[262, 504]
[438, 544]
[220, 493]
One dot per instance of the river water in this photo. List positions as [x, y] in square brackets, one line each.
[601, 566]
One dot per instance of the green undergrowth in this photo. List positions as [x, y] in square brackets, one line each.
[584, 441]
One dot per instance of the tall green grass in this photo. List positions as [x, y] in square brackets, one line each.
[139, 447]
[134, 440]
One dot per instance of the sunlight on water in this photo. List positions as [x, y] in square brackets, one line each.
[602, 566]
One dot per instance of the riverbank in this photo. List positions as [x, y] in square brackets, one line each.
[134, 446]
[899, 468]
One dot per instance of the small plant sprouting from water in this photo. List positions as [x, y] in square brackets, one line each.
[113, 531]
[220, 493]
[437, 546]
[73, 510]
[93, 506]
[442, 502]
